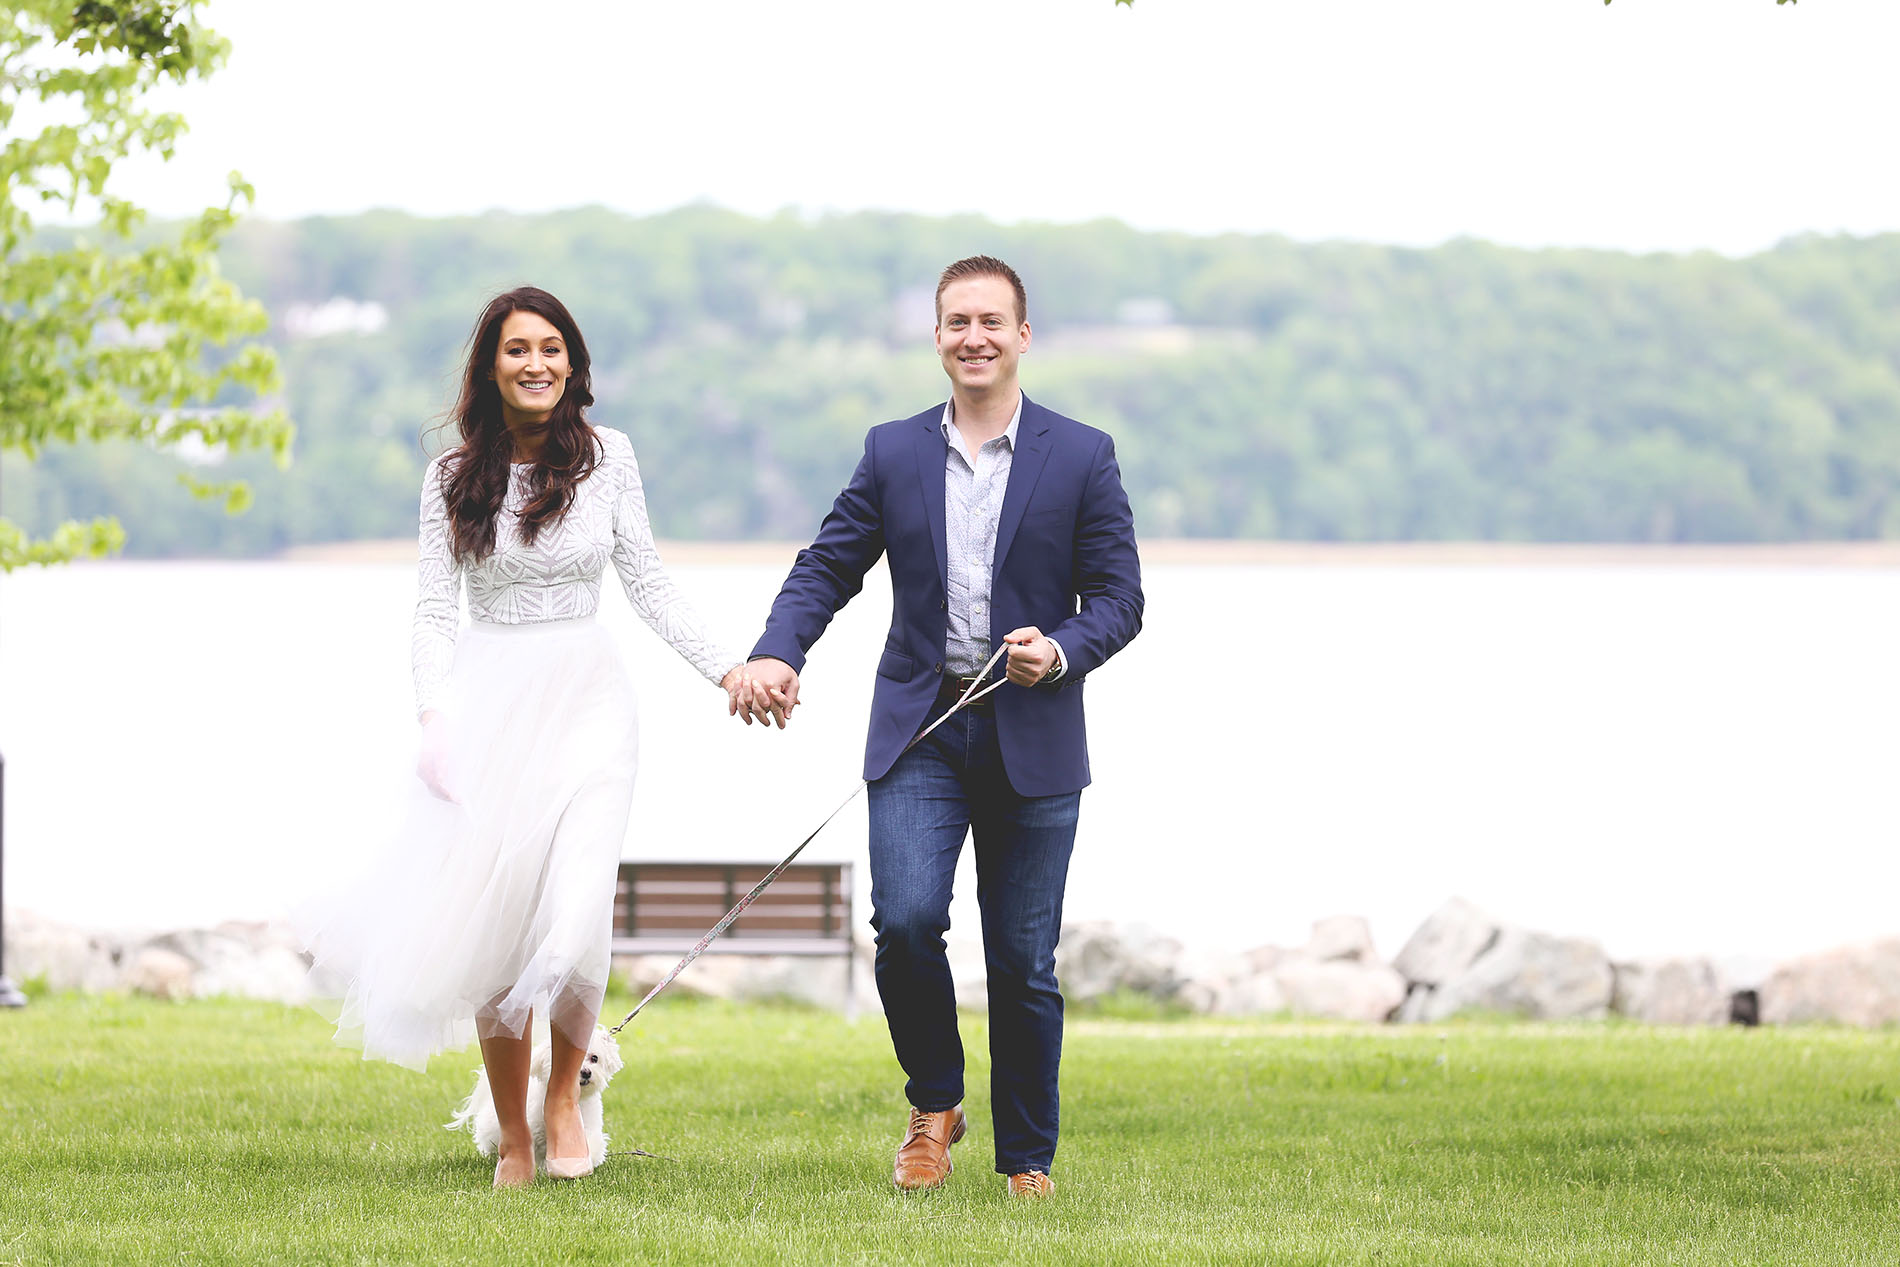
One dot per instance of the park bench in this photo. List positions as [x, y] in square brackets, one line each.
[664, 908]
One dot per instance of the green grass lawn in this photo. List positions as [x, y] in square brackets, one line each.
[135, 1131]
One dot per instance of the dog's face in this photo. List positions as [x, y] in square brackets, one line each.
[602, 1062]
[598, 1067]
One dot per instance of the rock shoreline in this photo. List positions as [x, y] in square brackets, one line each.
[1460, 962]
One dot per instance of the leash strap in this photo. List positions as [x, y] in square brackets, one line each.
[970, 693]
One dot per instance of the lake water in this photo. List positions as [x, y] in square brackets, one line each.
[1670, 759]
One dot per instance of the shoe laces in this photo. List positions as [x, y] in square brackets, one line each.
[919, 1124]
[1033, 1181]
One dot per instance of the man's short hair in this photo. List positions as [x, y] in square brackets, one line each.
[984, 266]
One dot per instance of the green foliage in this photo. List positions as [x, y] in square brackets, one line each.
[133, 1131]
[108, 331]
[1256, 387]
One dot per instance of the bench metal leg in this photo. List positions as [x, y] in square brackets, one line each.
[10, 995]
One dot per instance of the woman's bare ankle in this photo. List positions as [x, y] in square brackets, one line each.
[562, 1114]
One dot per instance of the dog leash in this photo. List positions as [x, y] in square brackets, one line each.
[970, 694]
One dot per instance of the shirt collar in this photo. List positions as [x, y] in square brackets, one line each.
[948, 424]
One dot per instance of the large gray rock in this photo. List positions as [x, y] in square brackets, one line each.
[1337, 975]
[243, 960]
[1671, 992]
[1447, 944]
[1533, 975]
[1226, 985]
[1341, 937]
[66, 958]
[825, 981]
[709, 976]
[1256, 995]
[1097, 958]
[1341, 989]
[1417, 1005]
[161, 973]
[254, 961]
[1850, 985]
[1265, 958]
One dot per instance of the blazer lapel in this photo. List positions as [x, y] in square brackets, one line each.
[931, 454]
[1025, 468]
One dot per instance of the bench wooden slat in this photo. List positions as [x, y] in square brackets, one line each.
[809, 905]
[707, 916]
[811, 947]
[810, 926]
[662, 889]
[771, 897]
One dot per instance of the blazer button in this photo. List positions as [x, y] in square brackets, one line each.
[943, 604]
[938, 667]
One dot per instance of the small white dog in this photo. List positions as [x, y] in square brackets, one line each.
[477, 1114]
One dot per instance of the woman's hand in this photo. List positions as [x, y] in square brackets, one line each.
[752, 693]
[432, 757]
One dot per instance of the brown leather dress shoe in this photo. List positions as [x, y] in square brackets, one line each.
[1031, 1183]
[923, 1159]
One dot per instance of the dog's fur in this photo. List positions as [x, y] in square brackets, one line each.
[477, 1114]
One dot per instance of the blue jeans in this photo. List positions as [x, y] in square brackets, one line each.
[950, 786]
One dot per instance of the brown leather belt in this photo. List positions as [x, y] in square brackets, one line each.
[954, 687]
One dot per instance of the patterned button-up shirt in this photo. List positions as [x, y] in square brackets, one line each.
[972, 509]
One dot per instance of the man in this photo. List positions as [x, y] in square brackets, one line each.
[1004, 523]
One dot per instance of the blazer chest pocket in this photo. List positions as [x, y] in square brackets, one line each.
[1049, 514]
[894, 665]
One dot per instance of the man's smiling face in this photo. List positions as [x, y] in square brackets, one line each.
[980, 335]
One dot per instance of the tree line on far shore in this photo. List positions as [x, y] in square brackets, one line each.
[1256, 387]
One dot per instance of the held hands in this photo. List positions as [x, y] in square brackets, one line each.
[1031, 656]
[765, 689]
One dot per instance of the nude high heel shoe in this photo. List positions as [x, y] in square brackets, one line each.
[570, 1167]
[518, 1183]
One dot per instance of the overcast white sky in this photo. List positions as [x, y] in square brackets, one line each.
[1647, 125]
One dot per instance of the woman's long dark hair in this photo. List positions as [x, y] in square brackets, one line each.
[475, 477]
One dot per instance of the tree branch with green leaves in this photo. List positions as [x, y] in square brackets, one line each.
[109, 329]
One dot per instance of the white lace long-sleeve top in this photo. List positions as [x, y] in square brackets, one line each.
[556, 578]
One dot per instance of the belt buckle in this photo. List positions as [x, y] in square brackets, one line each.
[955, 688]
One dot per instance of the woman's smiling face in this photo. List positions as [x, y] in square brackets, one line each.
[531, 368]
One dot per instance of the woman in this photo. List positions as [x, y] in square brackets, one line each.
[496, 901]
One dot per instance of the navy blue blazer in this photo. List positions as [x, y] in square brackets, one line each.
[1065, 562]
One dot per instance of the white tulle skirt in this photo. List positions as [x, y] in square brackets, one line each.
[486, 909]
